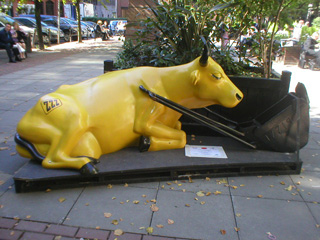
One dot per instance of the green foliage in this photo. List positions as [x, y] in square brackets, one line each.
[307, 32]
[316, 22]
[173, 36]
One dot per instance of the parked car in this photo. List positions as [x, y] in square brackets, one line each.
[117, 27]
[84, 29]
[47, 31]
[90, 28]
[69, 30]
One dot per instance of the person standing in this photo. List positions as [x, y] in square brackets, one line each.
[6, 42]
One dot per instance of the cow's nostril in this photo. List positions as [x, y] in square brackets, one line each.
[238, 97]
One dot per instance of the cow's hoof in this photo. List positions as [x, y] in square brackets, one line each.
[144, 144]
[89, 169]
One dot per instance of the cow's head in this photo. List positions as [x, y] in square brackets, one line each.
[211, 83]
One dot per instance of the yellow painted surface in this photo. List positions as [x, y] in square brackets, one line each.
[110, 112]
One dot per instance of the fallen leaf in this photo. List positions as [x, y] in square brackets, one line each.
[170, 221]
[113, 198]
[109, 186]
[289, 188]
[154, 208]
[222, 181]
[169, 183]
[62, 199]
[208, 193]
[98, 227]
[298, 183]
[260, 196]
[238, 215]
[282, 183]
[28, 217]
[172, 188]
[318, 225]
[115, 222]
[203, 202]
[190, 180]
[187, 205]
[217, 192]
[242, 185]
[4, 148]
[160, 226]
[48, 190]
[144, 196]
[222, 231]
[149, 230]
[271, 186]
[153, 200]
[183, 190]
[196, 199]
[142, 228]
[11, 233]
[121, 219]
[107, 215]
[121, 202]
[236, 229]
[87, 204]
[13, 153]
[136, 202]
[200, 194]
[57, 238]
[234, 187]
[126, 185]
[1, 206]
[208, 179]
[118, 232]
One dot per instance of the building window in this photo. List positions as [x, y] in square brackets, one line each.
[49, 8]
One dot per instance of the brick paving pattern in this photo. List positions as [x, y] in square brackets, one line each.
[12, 229]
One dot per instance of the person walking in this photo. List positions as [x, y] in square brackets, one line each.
[6, 42]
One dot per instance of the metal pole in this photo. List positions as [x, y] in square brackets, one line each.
[58, 21]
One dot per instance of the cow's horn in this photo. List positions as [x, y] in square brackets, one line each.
[204, 58]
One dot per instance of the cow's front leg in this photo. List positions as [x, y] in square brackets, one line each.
[155, 133]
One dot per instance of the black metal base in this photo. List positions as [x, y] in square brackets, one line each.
[129, 165]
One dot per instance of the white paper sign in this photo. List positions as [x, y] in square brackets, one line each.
[205, 151]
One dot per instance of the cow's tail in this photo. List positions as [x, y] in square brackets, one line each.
[29, 147]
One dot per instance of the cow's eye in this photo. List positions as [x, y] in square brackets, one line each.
[217, 76]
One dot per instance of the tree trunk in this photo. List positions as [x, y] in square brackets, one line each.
[78, 18]
[38, 20]
[272, 38]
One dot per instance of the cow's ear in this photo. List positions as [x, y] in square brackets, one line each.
[195, 77]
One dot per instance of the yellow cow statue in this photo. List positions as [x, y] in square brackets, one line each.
[73, 126]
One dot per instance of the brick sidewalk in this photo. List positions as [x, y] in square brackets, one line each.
[16, 229]
[51, 53]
